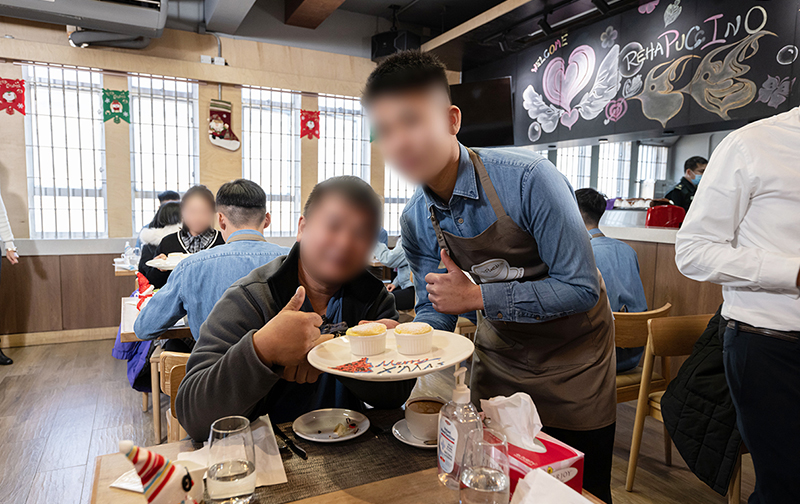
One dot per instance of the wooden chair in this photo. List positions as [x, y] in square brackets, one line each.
[630, 331]
[466, 328]
[173, 369]
[667, 337]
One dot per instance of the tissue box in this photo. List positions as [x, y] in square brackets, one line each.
[557, 458]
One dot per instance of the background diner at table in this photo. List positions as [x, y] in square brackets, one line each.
[484, 251]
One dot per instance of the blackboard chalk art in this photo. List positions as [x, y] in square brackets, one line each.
[667, 64]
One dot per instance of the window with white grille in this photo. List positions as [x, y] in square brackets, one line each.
[652, 162]
[164, 140]
[271, 152]
[576, 164]
[344, 138]
[396, 192]
[614, 167]
[64, 144]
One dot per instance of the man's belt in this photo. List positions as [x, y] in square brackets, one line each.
[772, 333]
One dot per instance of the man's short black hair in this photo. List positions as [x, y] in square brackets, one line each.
[168, 196]
[405, 71]
[592, 205]
[242, 201]
[353, 190]
[693, 162]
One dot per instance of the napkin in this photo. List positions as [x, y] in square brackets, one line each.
[538, 487]
[514, 416]
[269, 466]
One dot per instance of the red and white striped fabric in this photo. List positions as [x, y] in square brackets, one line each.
[163, 481]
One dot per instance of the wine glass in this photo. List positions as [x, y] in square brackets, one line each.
[231, 475]
[484, 469]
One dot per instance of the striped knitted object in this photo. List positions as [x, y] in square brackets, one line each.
[163, 481]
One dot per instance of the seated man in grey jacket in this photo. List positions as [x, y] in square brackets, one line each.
[250, 358]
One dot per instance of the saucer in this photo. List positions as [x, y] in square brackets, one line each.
[401, 432]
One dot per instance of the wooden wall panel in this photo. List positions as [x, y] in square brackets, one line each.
[309, 153]
[90, 292]
[218, 165]
[118, 168]
[13, 163]
[687, 296]
[647, 253]
[30, 295]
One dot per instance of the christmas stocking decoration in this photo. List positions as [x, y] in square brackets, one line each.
[163, 481]
[219, 126]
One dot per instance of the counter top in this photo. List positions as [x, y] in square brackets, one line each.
[643, 234]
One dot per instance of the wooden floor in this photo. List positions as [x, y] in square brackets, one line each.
[63, 405]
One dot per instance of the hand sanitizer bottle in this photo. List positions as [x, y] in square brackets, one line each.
[456, 419]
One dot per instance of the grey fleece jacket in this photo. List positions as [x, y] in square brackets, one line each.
[224, 376]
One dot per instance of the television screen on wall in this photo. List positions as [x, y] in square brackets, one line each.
[486, 112]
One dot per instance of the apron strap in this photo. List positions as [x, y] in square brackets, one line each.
[596, 235]
[488, 187]
[246, 237]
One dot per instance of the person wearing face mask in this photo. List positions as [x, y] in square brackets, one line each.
[683, 192]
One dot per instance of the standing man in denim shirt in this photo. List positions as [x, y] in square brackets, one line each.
[199, 281]
[509, 219]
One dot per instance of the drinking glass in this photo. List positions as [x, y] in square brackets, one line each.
[231, 475]
[484, 468]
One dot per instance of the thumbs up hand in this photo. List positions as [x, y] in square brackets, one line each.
[453, 292]
[286, 339]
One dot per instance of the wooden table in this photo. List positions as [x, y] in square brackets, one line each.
[415, 488]
[128, 316]
[123, 272]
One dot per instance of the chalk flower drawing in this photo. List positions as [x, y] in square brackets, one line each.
[615, 109]
[563, 81]
[608, 37]
[775, 91]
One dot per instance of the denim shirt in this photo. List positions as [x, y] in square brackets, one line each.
[618, 263]
[395, 258]
[540, 201]
[197, 283]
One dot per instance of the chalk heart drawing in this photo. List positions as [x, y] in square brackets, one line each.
[647, 7]
[563, 81]
[615, 110]
[672, 12]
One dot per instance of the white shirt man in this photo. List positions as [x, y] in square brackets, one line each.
[743, 232]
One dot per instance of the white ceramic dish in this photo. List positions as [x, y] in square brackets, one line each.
[334, 356]
[414, 344]
[169, 263]
[319, 425]
[366, 346]
[401, 432]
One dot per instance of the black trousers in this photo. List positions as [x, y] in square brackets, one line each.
[598, 447]
[404, 298]
[763, 375]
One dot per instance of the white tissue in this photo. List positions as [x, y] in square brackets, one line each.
[514, 416]
[269, 465]
[538, 487]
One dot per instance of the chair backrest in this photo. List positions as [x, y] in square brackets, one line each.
[630, 329]
[172, 361]
[176, 375]
[674, 336]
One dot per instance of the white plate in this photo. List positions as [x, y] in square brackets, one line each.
[401, 432]
[319, 425]
[164, 264]
[334, 357]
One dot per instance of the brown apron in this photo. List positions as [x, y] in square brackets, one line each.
[567, 365]
[246, 237]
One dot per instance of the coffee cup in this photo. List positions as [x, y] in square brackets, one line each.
[422, 417]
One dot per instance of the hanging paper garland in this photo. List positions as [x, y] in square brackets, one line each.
[115, 106]
[309, 123]
[12, 96]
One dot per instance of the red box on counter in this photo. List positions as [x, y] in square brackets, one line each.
[557, 458]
